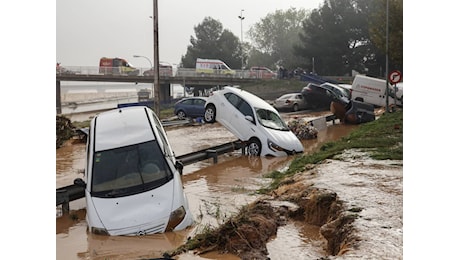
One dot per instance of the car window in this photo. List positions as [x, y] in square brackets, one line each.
[199, 102]
[187, 102]
[317, 89]
[337, 92]
[167, 148]
[285, 96]
[245, 109]
[240, 104]
[270, 119]
[129, 170]
[233, 99]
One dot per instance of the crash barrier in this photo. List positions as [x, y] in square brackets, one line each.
[212, 152]
[73, 192]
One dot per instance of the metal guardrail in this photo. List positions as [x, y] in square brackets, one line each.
[73, 192]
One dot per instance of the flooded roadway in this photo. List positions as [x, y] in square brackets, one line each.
[215, 192]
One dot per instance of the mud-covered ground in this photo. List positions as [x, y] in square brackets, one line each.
[345, 208]
[356, 203]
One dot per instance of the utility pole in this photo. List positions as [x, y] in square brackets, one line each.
[242, 56]
[386, 73]
[156, 60]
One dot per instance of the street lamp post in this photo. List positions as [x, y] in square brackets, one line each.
[151, 67]
[140, 56]
[386, 65]
[156, 59]
[241, 17]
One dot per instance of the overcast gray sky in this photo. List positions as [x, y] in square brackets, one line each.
[87, 30]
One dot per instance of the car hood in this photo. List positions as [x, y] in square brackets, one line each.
[285, 139]
[147, 212]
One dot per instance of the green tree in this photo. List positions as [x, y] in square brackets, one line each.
[336, 35]
[211, 41]
[377, 28]
[274, 37]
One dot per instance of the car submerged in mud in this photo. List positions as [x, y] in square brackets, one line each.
[253, 121]
[134, 184]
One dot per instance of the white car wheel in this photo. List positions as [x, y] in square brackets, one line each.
[210, 114]
[254, 147]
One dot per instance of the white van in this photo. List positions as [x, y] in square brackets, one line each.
[211, 66]
[372, 90]
[133, 182]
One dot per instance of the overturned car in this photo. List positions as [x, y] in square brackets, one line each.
[352, 111]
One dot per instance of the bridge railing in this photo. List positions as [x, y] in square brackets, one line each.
[179, 72]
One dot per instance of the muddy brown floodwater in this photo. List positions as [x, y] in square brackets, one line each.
[215, 192]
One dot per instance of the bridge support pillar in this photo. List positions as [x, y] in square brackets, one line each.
[58, 97]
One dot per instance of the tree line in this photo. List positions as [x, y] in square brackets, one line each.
[336, 38]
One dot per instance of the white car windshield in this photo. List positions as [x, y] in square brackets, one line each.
[129, 170]
[270, 119]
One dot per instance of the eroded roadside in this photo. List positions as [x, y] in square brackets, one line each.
[354, 200]
[351, 190]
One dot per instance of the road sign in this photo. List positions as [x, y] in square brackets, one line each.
[395, 77]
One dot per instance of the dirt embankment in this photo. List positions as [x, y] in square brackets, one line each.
[247, 233]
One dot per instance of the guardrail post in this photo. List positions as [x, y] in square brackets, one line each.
[63, 199]
[213, 154]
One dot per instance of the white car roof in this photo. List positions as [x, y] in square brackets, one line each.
[252, 99]
[121, 127]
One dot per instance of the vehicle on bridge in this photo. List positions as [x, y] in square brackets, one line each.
[211, 66]
[116, 66]
[166, 69]
[262, 73]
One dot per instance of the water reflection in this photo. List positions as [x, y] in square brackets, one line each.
[217, 191]
[297, 239]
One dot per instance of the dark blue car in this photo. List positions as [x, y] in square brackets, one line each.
[192, 107]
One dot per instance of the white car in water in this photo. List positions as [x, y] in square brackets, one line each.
[133, 181]
[253, 121]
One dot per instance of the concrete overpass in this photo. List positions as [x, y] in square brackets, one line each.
[186, 78]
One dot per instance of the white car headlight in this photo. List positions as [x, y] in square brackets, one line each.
[273, 146]
[175, 218]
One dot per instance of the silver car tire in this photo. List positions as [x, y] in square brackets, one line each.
[181, 115]
[295, 108]
[253, 147]
[210, 114]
